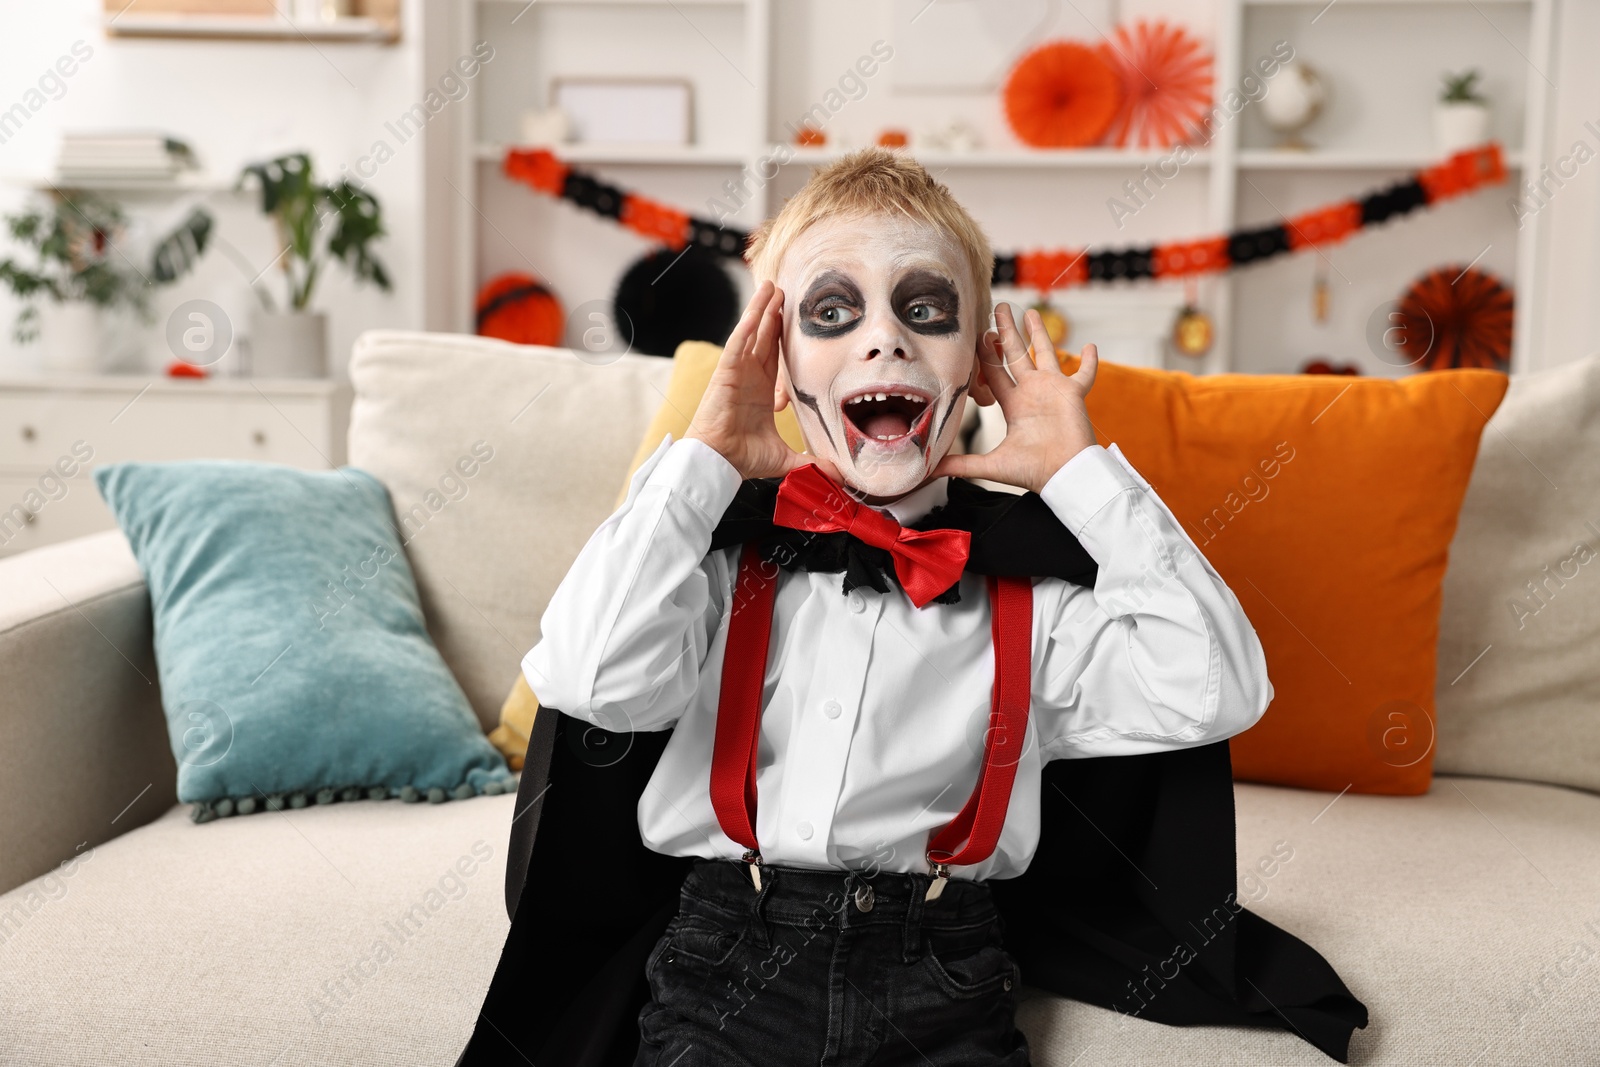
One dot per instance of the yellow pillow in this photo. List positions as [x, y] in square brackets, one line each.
[692, 365]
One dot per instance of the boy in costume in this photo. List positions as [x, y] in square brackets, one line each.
[843, 739]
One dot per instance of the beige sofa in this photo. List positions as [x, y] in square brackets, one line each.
[1468, 919]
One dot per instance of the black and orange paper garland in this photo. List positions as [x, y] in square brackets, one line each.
[1462, 173]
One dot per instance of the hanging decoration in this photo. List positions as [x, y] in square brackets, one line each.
[665, 299]
[1056, 323]
[1165, 73]
[1046, 270]
[1456, 317]
[539, 168]
[1061, 95]
[1460, 174]
[515, 307]
[1192, 332]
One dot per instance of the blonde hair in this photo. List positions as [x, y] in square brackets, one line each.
[874, 181]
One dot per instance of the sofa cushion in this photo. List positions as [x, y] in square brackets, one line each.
[1518, 690]
[292, 654]
[489, 548]
[363, 934]
[1328, 505]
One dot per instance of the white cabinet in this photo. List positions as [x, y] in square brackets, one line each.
[55, 431]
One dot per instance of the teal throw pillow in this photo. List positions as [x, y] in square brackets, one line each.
[295, 667]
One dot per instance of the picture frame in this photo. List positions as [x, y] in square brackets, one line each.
[654, 111]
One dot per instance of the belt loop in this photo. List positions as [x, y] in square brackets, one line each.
[913, 926]
[758, 922]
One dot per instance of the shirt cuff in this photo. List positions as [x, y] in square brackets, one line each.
[697, 472]
[1088, 482]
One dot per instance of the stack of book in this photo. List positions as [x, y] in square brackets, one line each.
[119, 158]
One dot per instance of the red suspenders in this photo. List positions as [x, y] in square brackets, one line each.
[971, 836]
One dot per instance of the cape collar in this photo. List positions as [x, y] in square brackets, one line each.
[1012, 535]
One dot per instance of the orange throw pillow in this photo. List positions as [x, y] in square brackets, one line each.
[1328, 506]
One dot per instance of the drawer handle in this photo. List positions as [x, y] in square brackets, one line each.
[28, 433]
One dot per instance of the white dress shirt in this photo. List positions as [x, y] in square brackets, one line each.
[874, 710]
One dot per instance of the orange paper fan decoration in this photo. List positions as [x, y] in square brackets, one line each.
[1165, 73]
[1455, 318]
[1061, 95]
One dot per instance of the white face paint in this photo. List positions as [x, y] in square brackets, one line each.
[880, 339]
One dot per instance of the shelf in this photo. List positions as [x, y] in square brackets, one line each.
[1327, 4]
[626, 154]
[1286, 159]
[253, 27]
[696, 155]
[1060, 158]
[185, 183]
[623, 3]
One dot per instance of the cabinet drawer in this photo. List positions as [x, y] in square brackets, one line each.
[37, 429]
[29, 517]
[292, 430]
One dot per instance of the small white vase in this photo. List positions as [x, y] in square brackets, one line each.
[71, 336]
[1459, 125]
[289, 344]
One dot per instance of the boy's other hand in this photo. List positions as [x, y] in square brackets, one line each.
[735, 413]
[1046, 421]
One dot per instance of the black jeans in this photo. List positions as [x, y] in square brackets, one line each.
[829, 967]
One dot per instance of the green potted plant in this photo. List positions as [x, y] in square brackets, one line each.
[314, 222]
[1461, 117]
[76, 273]
[72, 277]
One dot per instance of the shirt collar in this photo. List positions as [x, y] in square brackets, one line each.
[917, 503]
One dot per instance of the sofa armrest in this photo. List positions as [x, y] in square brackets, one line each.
[83, 743]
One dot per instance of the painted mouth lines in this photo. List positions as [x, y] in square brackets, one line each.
[886, 415]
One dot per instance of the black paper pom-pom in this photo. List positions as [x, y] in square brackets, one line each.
[666, 299]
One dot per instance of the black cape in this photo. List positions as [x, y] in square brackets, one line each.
[1129, 901]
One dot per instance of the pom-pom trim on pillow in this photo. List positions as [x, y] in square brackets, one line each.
[222, 808]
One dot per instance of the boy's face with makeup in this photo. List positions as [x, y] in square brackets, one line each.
[880, 343]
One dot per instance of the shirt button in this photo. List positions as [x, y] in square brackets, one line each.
[804, 830]
[856, 602]
[831, 709]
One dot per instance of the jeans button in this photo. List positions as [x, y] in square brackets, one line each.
[864, 898]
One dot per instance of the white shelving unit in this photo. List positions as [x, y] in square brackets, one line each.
[1375, 130]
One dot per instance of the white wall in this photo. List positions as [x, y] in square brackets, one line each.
[236, 102]
[1569, 310]
[239, 101]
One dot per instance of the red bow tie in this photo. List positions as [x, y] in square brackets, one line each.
[927, 562]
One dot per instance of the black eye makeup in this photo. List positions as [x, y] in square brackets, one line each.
[928, 303]
[832, 306]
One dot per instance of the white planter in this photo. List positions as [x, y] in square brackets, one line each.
[71, 336]
[289, 345]
[1459, 125]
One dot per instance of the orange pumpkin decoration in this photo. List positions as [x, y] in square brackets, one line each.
[514, 307]
[893, 139]
[1061, 95]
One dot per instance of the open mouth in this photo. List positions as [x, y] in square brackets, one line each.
[886, 419]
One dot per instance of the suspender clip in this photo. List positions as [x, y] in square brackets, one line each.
[941, 875]
[753, 858]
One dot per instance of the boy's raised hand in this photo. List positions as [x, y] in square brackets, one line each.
[1046, 421]
[735, 413]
